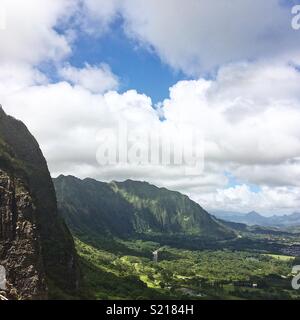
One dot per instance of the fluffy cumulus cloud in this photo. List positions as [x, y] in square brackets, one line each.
[268, 200]
[69, 121]
[28, 38]
[248, 114]
[97, 79]
[253, 134]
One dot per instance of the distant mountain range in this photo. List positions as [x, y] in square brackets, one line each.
[132, 207]
[254, 218]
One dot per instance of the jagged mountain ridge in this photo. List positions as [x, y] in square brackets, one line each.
[36, 247]
[132, 207]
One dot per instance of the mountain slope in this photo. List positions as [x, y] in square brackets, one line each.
[92, 207]
[132, 207]
[36, 248]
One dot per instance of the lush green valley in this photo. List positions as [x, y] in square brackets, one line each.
[126, 270]
[137, 241]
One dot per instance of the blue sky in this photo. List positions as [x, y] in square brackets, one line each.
[137, 67]
[234, 182]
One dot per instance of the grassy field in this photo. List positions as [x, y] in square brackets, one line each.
[281, 257]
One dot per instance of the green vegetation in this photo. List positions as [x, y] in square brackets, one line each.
[171, 212]
[133, 208]
[119, 225]
[181, 274]
[111, 276]
[281, 257]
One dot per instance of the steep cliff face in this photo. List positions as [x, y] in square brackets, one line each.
[20, 248]
[36, 247]
[168, 211]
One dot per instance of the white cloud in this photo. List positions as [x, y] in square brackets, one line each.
[198, 35]
[249, 113]
[250, 131]
[240, 198]
[97, 79]
[29, 36]
[100, 13]
[241, 123]
[195, 36]
[16, 76]
[67, 120]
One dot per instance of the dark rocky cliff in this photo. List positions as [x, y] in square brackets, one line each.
[36, 248]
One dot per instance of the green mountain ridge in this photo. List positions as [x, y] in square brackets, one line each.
[132, 207]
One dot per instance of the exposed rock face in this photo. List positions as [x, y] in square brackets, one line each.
[36, 248]
[20, 250]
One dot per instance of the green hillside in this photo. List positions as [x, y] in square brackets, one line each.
[129, 208]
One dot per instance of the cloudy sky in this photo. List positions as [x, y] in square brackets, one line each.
[71, 69]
